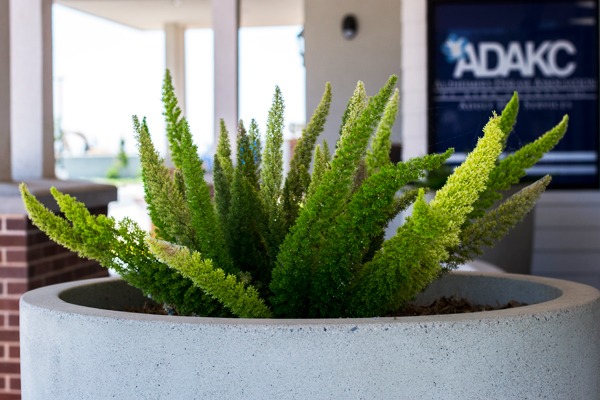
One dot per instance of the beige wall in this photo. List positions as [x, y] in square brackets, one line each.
[372, 56]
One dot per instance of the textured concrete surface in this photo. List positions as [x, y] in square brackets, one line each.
[548, 350]
[91, 194]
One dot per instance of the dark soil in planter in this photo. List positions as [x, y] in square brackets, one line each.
[152, 308]
[450, 305]
[441, 306]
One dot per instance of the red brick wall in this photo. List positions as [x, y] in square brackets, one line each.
[28, 260]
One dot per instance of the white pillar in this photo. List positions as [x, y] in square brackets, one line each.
[32, 122]
[175, 59]
[413, 66]
[226, 21]
[5, 159]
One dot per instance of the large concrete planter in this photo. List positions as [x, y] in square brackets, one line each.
[73, 347]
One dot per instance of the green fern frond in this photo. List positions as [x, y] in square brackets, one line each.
[208, 235]
[272, 172]
[298, 178]
[495, 224]
[356, 105]
[271, 175]
[511, 169]
[223, 152]
[243, 301]
[166, 203]
[223, 175]
[172, 114]
[321, 165]
[463, 188]
[514, 167]
[246, 164]
[95, 232]
[255, 144]
[508, 117]
[379, 155]
[246, 229]
[58, 229]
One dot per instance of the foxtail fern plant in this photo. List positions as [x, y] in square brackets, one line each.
[312, 244]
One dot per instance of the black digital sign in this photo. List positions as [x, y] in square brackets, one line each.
[480, 52]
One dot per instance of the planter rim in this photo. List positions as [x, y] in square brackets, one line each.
[572, 295]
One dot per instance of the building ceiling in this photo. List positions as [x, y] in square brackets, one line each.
[154, 14]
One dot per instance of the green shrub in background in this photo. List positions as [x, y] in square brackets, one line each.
[120, 163]
[312, 244]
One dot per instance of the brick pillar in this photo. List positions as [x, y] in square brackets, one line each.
[29, 259]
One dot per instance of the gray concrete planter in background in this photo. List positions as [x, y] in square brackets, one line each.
[74, 347]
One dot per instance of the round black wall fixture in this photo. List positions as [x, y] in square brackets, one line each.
[349, 26]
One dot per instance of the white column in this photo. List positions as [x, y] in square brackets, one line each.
[5, 159]
[413, 56]
[175, 59]
[32, 134]
[225, 20]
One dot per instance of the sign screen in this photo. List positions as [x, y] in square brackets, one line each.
[480, 52]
